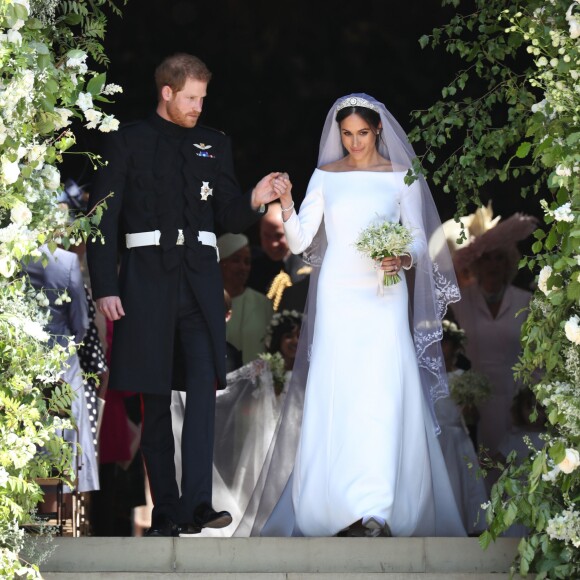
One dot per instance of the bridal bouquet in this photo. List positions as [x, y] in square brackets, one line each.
[469, 388]
[384, 240]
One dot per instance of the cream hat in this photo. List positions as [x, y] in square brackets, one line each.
[229, 244]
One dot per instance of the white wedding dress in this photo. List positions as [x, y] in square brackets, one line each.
[367, 444]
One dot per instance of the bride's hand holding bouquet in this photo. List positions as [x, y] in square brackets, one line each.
[387, 243]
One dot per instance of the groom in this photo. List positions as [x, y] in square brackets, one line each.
[172, 181]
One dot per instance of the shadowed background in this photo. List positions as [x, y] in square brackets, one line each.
[278, 67]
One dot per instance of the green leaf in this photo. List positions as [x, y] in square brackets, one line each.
[424, 41]
[557, 452]
[73, 19]
[523, 149]
[485, 540]
[96, 84]
[573, 291]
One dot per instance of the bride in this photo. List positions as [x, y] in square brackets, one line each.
[366, 461]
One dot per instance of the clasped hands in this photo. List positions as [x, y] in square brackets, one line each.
[273, 186]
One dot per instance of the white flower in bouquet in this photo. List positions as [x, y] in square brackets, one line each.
[572, 329]
[385, 239]
[469, 388]
[570, 462]
[277, 368]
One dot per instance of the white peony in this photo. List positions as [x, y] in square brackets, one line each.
[543, 278]
[10, 171]
[563, 171]
[108, 124]
[572, 329]
[20, 214]
[36, 154]
[7, 266]
[573, 23]
[3, 477]
[564, 213]
[85, 101]
[35, 330]
[570, 462]
[14, 37]
[51, 177]
[25, 3]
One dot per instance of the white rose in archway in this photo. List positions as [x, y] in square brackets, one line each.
[51, 177]
[570, 462]
[10, 171]
[20, 214]
[543, 278]
[7, 266]
[572, 329]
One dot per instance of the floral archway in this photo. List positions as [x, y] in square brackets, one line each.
[513, 112]
[524, 54]
[45, 84]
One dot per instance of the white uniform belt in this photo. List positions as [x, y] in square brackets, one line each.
[152, 239]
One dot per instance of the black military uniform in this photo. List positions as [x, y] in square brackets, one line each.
[171, 184]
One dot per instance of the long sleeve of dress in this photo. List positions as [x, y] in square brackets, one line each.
[412, 218]
[301, 228]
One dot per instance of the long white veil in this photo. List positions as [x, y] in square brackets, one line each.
[432, 288]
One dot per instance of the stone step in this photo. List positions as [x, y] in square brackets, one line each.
[267, 576]
[278, 558]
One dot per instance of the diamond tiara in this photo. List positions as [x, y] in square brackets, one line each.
[356, 102]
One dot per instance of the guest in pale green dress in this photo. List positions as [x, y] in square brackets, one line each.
[251, 310]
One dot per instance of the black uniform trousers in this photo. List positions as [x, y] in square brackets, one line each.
[157, 443]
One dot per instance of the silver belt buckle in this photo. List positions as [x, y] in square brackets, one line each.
[180, 238]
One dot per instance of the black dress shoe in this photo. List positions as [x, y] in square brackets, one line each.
[187, 530]
[205, 516]
[161, 527]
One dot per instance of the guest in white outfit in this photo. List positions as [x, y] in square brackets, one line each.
[368, 462]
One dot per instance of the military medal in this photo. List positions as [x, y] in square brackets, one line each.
[205, 191]
[203, 150]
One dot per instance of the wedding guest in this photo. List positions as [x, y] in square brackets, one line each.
[490, 313]
[61, 281]
[251, 311]
[276, 271]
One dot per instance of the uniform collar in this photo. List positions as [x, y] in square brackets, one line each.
[167, 127]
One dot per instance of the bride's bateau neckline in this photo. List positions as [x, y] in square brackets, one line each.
[360, 171]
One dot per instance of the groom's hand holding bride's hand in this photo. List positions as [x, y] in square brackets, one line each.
[269, 188]
[286, 197]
